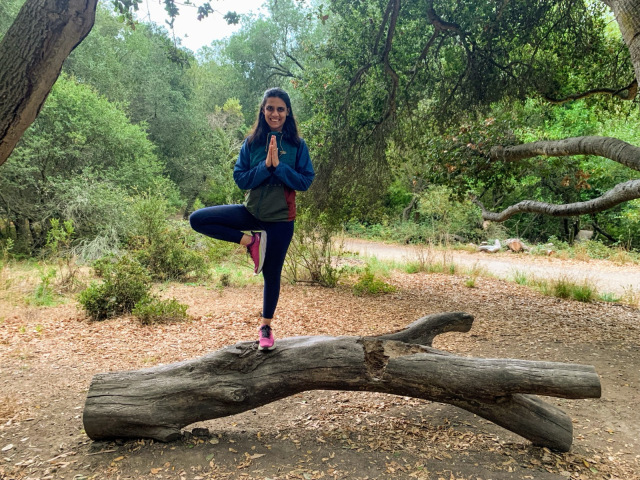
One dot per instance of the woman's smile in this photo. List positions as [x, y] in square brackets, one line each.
[275, 113]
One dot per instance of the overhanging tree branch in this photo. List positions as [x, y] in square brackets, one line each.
[608, 147]
[623, 192]
[625, 93]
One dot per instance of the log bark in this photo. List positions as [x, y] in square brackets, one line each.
[31, 56]
[158, 402]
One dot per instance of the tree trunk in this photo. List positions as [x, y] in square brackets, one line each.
[31, 56]
[157, 402]
[627, 13]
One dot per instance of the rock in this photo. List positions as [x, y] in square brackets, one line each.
[516, 245]
[200, 432]
[584, 235]
[491, 248]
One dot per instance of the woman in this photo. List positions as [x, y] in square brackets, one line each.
[273, 163]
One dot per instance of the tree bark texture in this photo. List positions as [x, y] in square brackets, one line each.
[31, 55]
[623, 192]
[157, 402]
[612, 148]
[608, 147]
[627, 13]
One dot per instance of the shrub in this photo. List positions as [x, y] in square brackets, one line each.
[59, 238]
[609, 297]
[5, 248]
[583, 292]
[170, 250]
[44, 296]
[125, 282]
[170, 255]
[565, 288]
[310, 256]
[152, 310]
[369, 284]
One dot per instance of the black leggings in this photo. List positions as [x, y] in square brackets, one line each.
[227, 222]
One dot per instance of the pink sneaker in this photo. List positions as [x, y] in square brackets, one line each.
[266, 340]
[257, 249]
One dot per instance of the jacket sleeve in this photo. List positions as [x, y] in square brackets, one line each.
[301, 177]
[246, 177]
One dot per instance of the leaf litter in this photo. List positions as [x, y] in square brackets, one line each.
[48, 356]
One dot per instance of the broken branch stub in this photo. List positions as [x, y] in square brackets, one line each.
[158, 402]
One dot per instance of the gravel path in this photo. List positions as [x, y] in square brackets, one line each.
[606, 276]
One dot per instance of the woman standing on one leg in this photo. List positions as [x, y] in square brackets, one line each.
[273, 163]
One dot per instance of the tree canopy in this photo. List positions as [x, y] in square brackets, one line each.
[517, 105]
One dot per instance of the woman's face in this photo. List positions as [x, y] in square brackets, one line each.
[275, 113]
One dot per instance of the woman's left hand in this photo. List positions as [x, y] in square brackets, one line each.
[273, 151]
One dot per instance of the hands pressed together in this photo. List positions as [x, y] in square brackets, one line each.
[272, 153]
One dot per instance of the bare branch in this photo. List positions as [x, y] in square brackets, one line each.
[608, 147]
[385, 17]
[385, 58]
[625, 93]
[623, 192]
[294, 60]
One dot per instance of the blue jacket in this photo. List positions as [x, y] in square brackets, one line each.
[272, 190]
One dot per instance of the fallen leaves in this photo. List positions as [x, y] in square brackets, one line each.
[354, 428]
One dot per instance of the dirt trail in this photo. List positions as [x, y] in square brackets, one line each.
[605, 276]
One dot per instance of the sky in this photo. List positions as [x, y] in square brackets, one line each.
[193, 33]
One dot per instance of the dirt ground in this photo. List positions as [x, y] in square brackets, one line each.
[48, 356]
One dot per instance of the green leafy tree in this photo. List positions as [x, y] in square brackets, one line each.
[79, 139]
[436, 68]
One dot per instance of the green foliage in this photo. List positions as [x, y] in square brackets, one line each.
[59, 239]
[310, 255]
[79, 140]
[370, 284]
[521, 278]
[168, 249]
[153, 310]
[437, 217]
[609, 297]
[5, 249]
[567, 289]
[44, 295]
[59, 236]
[125, 283]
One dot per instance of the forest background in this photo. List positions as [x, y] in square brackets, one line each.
[136, 123]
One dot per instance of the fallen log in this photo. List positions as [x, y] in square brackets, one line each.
[158, 402]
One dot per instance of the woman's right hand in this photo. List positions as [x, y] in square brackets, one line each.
[272, 153]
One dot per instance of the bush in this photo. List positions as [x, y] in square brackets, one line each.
[369, 284]
[125, 283]
[171, 255]
[152, 310]
[310, 256]
[44, 296]
[169, 250]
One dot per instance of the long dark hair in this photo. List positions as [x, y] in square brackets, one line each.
[261, 129]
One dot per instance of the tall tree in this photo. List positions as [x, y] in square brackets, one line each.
[393, 57]
[80, 143]
[31, 56]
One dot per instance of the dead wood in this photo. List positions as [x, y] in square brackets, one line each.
[158, 402]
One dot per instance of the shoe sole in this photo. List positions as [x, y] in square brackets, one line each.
[273, 347]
